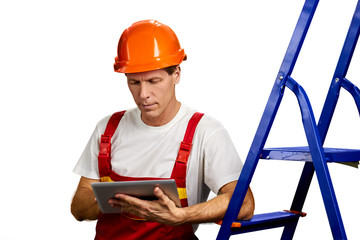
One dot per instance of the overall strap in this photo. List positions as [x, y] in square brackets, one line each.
[186, 144]
[105, 143]
[179, 170]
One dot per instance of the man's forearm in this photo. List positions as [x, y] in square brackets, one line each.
[84, 205]
[214, 209]
[210, 211]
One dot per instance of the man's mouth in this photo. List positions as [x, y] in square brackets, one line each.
[148, 106]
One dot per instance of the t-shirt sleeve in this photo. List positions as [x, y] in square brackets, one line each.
[222, 162]
[87, 166]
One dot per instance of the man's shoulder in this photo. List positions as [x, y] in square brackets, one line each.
[209, 123]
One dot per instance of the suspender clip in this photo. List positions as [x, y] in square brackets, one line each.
[105, 146]
[184, 152]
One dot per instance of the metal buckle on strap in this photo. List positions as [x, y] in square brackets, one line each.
[184, 152]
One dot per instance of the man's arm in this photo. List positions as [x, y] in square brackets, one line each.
[165, 211]
[214, 209]
[84, 205]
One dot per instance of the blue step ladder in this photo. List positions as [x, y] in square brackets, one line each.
[314, 155]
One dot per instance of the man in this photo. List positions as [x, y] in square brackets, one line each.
[145, 145]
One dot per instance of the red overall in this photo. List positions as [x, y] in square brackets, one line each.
[125, 226]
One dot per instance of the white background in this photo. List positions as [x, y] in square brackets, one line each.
[57, 81]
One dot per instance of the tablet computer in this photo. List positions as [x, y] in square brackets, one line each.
[141, 189]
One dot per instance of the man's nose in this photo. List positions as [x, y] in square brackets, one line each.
[144, 90]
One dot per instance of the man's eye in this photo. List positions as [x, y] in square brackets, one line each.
[133, 82]
[154, 80]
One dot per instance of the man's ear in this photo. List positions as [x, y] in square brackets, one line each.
[177, 74]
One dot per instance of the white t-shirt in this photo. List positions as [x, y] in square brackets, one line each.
[139, 150]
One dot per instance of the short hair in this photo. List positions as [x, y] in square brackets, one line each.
[170, 70]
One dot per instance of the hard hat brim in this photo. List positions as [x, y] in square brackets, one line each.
[156, 63]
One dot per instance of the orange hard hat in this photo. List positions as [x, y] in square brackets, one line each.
[148, 45]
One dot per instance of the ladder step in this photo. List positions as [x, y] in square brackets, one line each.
[265, 221]
[303, 154]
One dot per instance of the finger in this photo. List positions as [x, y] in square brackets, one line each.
[114, 202]
[125, 202]
[128, 199]
[121, 196]
[128, 204]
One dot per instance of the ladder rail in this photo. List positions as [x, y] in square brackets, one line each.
[340, 74]
[251, 162]
[298, 37]
[299, 198]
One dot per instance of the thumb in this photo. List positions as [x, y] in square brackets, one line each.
[160, 194]
[163, 198]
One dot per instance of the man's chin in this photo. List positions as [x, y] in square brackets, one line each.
[149, 115]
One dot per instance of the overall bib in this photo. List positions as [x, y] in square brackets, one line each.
[123, 226]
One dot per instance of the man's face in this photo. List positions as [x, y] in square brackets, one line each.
[154, 94]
